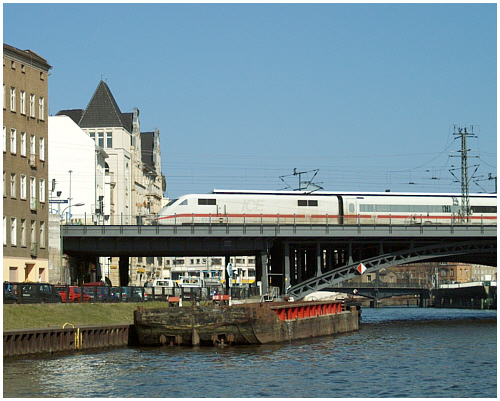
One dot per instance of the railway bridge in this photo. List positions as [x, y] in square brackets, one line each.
[299, 259]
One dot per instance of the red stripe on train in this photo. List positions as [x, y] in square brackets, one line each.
[291, 216]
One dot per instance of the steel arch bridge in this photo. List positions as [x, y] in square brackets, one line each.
[331, 279]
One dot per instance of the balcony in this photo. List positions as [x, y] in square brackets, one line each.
[32, 160]
[34, 249]
[33, 204]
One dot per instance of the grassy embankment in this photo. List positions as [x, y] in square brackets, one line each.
[34, 316]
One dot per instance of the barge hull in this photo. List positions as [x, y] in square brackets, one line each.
[249, 324]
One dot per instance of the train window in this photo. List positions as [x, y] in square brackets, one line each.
[484, 209]
[400, 208]
[184, 202]
[420, 209]
[172, 202]
[307, 202]
[366, 208]
[206, 201]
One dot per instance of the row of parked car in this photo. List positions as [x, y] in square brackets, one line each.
[90, 292]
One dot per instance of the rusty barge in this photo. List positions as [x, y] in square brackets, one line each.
[253, 323]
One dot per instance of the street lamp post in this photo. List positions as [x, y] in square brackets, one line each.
[70, 171]
[69, 207]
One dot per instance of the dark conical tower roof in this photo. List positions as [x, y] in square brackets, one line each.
[102, 110]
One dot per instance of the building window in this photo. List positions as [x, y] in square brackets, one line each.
[100, 140]
[109, 139]
[4, 139]
[42, 234]
[13, 141]
[32, 145]
[32, 105]
[4, 231]
[12, 98]
[42, 190]
[13, 231]
[41, 108]
[42, 149]
[22, 102]
[23, 144]
[23, 186]
[32, 233]
[33, 193]
[4, 97]
[4, 184]
[13, 185]
[92, 135]
[23, 233]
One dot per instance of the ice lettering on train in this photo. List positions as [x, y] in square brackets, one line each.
[252, 205]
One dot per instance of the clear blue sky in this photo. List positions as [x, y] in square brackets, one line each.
[245, 93]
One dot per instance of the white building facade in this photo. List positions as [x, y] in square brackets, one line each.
[78, 188]
[76, 172]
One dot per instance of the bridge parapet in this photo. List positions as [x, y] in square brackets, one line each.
[281, 231]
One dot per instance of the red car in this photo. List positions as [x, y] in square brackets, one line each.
[74, 294]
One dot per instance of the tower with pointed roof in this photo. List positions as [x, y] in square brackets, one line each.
[131, 183]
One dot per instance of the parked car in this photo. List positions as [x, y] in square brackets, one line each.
[133, 294]
[9, 297]
[36, 293]
[72, 293]
[99, 293]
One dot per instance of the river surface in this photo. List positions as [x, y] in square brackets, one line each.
[398, 352]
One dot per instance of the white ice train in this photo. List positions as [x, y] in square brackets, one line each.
[294, 207]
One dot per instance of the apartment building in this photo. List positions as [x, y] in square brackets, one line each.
[243, 268]
[483, 273]
[133, 169]
[25, 165]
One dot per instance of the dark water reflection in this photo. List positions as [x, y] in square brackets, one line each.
[398, 352]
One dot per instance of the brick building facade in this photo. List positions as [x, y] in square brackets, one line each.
[25, 165]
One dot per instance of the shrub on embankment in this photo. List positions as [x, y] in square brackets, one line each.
[34, 316]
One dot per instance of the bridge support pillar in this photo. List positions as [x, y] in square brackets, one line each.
[319, 260]
[286, 252]
[262, 260]
[227, 259]
[424, 301]
[124, 271]
[299, 265]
